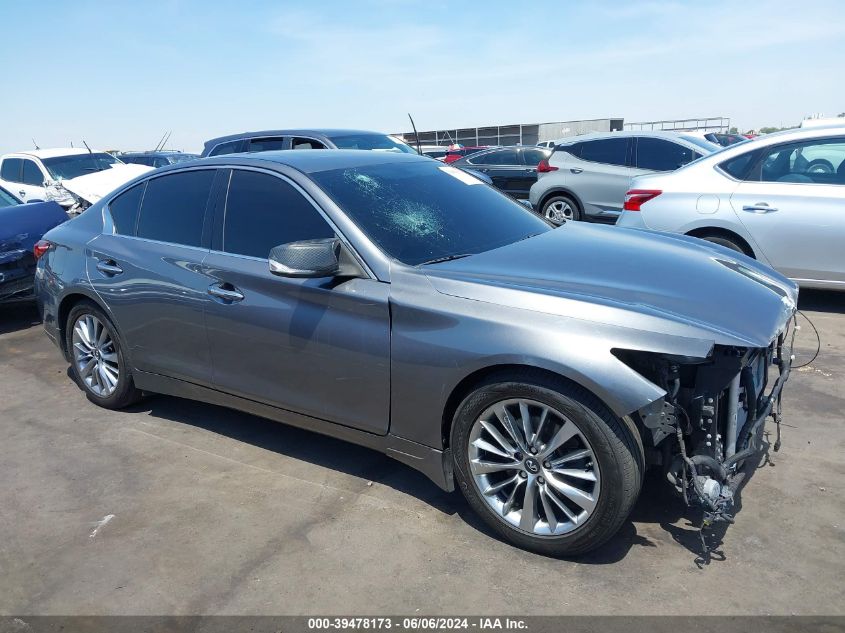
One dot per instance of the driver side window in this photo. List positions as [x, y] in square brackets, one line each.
[263, 211]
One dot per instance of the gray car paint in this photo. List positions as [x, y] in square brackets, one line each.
[560, 301]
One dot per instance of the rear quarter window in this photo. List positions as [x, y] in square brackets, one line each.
[173, 208]
[124, 209]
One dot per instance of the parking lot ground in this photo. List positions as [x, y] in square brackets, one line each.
[177, 507]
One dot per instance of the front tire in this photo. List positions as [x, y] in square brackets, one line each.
[98, 361]
[545, 464]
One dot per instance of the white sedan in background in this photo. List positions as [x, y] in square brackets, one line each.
[779, 198]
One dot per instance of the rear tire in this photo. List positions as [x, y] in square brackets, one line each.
[727, 242]
[560, 208]
[98, 361]
[565, 500]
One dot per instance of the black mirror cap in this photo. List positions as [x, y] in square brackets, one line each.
[306, 258]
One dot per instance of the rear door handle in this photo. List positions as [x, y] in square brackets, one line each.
[760, 207]
[22, 192]
[226, 292]
[576, 170]
[109, 267]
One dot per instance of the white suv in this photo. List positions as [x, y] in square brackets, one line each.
[75, 178]
[586, 177]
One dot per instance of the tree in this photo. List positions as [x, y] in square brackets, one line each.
[733, 130]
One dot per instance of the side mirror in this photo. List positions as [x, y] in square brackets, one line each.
[307, 258]
[525, 204]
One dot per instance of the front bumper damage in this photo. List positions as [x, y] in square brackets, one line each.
[711, 420]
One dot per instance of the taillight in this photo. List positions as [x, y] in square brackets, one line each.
[543, 167]
[636, 198]
[41, 247]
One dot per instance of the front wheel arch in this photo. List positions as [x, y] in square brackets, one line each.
[560, 191]
[514, 373]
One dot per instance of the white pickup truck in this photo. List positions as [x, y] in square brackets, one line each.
[75, 178]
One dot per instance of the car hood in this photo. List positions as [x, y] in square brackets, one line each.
[92, 187]
[629, 278]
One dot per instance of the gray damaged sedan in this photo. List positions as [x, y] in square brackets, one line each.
[402, 304]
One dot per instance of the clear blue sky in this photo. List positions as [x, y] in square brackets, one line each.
[120, 74]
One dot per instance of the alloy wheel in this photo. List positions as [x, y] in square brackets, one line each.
[95, 355]
[533, 467]
[559, 212]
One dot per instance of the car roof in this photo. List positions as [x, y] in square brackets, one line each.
[161, 152]
[673, 134]
[315, 161]
[327, 132]
[54, 152]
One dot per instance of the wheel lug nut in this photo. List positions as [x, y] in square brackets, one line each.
[523, 474]
[517, 455]
[547, 465]
[541, 481]
[533, 450]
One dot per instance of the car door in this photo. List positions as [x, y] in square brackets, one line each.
[795, 209]
[318, 347]
[531, 157]
[600, 175]
[147, 268]
[23, 177]
[504, 167]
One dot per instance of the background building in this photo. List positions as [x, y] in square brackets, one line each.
[515, 134]
[533, 133]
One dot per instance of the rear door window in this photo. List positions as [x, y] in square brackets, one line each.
[499, 157]
[658, 154]
[227, 148]
[124, 209]
[263, 211]
[818, 161]
[11, 169]
[610, 151]
[533, 156]
[174, 206]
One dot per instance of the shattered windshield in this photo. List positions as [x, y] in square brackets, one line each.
[419, 211]
[67, 167]
[376, 142]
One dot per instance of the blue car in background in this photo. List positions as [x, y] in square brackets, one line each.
[21, 227]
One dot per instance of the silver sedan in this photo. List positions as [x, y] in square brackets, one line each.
[779, 199]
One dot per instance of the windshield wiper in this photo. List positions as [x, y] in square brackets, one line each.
[446, 258]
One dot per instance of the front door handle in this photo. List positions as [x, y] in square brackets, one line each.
[22, 193]
[225, 291]
[576, 170]
[109, 267]
[760, 207]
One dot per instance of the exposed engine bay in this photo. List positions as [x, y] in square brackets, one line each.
[711, 419]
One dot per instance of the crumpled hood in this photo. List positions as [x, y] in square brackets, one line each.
[92, 187]
[630, 278]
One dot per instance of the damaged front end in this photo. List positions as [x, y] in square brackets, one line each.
[710, 421]
[72, 203]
